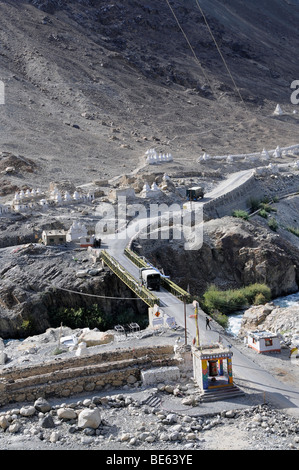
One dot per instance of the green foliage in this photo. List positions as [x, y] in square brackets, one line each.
[253, 290]
[93, 317]
[267, 207]
[254, 204]
[263, 213]
[27, 327]
[273, 225]
[293, 230]
[225, 302]
[241, 214]
[260, 299]
[220, 318]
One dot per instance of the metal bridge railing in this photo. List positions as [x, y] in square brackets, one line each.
[169, 285]
[150, 299]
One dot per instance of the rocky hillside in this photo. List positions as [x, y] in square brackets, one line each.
[31, 278]
[234, 253]
[91, 85]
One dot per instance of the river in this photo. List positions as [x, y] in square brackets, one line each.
[235, 319]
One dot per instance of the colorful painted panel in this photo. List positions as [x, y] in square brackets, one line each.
[205, 374]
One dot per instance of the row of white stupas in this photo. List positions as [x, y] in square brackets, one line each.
[154, 189]
[265, 155]
[152, 157]
[29, 199]
[148, 190]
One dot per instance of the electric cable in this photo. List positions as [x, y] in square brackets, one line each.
[221, 55]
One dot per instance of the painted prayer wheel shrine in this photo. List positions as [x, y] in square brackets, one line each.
[212, 368]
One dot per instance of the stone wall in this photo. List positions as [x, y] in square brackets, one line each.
[276, 185]
[67, 377]
[238, 198]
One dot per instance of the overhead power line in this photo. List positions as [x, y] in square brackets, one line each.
[93, 295]
[220, 53]
[189, 44]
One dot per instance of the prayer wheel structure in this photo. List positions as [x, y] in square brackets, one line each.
[208, 366]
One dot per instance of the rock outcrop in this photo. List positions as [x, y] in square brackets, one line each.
[234, 253]
[281, 320]
[37, 280]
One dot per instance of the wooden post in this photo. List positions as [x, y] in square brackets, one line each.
[185, 317]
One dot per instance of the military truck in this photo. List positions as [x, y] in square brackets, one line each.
[150, 278]
[195, 193]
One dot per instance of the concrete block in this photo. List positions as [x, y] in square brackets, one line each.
[160, 375]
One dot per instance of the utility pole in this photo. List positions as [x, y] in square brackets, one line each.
[185, 318]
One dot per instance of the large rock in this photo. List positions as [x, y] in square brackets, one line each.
[42, 405]
[281, 320]
[66, 413]
[234, 253]
[95, 338]
[89, 419]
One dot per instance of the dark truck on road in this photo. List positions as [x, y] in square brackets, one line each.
[195, 193]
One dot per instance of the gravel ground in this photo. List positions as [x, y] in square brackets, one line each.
[155, 419]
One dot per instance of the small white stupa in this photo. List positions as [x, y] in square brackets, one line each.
[76, 196]
[204, 158]
[265, 155]
[146, 190]
[154, 187]
[277, 152]
[76, 231]
[278, 111]
[67, 196]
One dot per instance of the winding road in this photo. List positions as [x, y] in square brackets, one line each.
[258, 379]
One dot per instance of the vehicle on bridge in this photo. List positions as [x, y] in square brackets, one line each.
[195, 193]
[150, 278]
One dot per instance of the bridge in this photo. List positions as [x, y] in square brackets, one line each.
[176, 302]
[124, 263]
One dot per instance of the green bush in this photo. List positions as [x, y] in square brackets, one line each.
[241, 214]
[273, 225]
[260, 299]
[253, 290]
[93, 317]
[263, 213]
[225, 302]
[267, 207]
[254, 204]
[293, 230]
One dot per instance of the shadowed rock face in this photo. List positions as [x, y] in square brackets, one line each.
[27, 292]
[234, 253]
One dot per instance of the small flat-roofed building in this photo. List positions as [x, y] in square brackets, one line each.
[263, 341]
[54, 237]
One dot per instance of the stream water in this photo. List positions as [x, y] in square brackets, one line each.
[235, 319]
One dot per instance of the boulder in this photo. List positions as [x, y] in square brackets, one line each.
[42, 405]
[89, 419]
[4, 423]
[95, 338]
[47, 422]
[66, 413]
[27, 411]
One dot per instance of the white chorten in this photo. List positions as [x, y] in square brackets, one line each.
[278, 111]
[76, 231]
[265, 154]
[76, 196]
[146, 190]
[154, 187]
[67, 196]
[277, 152]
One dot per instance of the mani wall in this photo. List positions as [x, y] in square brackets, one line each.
[71, 376]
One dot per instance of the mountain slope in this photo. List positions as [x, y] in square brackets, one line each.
[91, 85]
